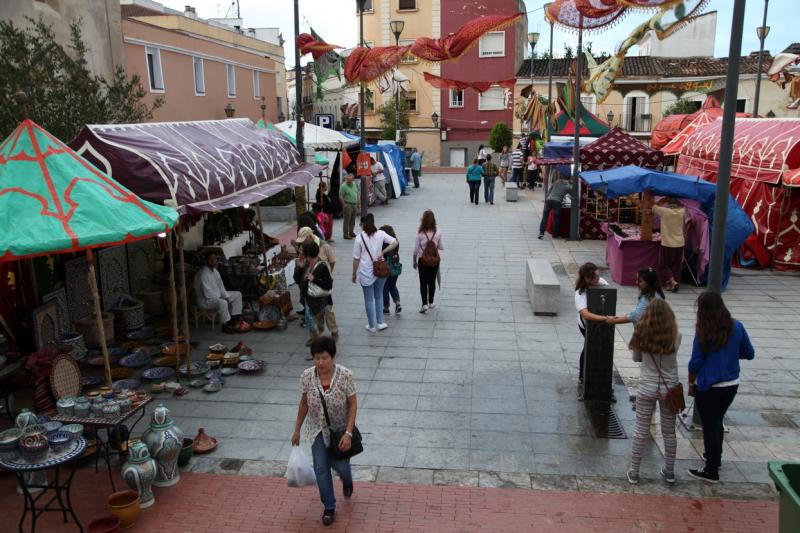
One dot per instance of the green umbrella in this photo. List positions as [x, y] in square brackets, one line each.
[53, 201]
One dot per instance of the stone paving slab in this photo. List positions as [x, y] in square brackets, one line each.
[480, 384]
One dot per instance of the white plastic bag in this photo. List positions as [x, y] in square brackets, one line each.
[299, 472]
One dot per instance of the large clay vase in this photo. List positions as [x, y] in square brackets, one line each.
[125, 506]
[164, 440]
[139, 473]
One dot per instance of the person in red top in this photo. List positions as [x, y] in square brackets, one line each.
[324, 221]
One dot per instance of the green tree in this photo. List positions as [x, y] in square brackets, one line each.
[681, 107]
[63, 95]
[500, 135]
[386, 113]
[568, 53]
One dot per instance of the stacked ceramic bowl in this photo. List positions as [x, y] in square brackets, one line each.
[9, 440]
[33, 448]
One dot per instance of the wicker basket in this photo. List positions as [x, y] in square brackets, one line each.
[87, 326]
[129, 313]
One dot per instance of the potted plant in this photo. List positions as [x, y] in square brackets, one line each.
[279, 207]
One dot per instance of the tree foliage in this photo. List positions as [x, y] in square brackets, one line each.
[568, 52]
[681, 107]
[386, 113]
[500, 135]
[63, 95]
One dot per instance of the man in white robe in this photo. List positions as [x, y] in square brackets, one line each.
[211, 294]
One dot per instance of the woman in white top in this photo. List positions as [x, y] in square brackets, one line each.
[482, 153]
[369, 247]
[655, 343]
[588, 275]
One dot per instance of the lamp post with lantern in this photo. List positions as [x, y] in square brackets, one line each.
[397, 28]
[610, 118]
[762, 32]
[533, 38]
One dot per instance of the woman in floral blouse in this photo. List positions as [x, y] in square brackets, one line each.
[336, 384]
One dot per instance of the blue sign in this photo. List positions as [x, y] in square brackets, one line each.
[325, 120]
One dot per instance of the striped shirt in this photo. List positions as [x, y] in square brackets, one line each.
[516, 159]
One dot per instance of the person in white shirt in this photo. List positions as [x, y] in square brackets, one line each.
[379, 181]
[210, 293]
[369, 247]
[588, 275]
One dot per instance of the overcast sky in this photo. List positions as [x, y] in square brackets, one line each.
[336, 22]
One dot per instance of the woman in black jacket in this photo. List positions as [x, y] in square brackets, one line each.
[316, 283]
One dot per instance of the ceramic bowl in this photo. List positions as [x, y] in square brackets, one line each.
[197, 383]
[43, 419]
[135, 360]
[118, 386]
[97, 408]
[92, 381]
[158, 387]
[60, 440]
[33, 448]
[168, 348]
[196, 367]
[140, 334]
[75, 429]
[52, 426]
[34, 429]
[82, 409]
[159, 373]
[213, 387]
[218, 348]
[65, 406]
[253, 365]
[125, 405]
[214, 364]
[186, 452]
[92, 396]
[9, 440]
[229, 371]
[111, 410]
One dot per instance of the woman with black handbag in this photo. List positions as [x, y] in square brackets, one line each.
[655, 343]
[328, 399]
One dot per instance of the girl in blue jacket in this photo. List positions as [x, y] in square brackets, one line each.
[719, 343]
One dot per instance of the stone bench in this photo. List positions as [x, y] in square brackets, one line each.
[544, 290]
[512, 192]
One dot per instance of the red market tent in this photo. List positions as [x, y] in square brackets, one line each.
[671, 132]
[765, 176]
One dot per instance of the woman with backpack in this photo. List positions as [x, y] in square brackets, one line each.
[395, 269]
[427, 259]
[371, 270]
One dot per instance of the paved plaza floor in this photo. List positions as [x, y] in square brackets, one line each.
[481, 385]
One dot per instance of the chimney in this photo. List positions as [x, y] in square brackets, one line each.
[190, 12]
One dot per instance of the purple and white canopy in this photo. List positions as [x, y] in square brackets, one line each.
[197, 166]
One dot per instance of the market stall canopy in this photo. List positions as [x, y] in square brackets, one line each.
[54, 201]
[616, 149]
[624, 181]
[591, 126]
[200, 166]
[318, 138]
[671, 132]
[318, 159]
[764, 149]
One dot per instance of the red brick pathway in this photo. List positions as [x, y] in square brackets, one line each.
[216, 503]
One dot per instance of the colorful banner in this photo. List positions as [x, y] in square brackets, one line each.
[453, 46]
[478, 86]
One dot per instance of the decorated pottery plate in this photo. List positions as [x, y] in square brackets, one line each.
[158, 373]
[229, 371]
[167, 360]
[140, 334]
[91, 381]
[254, 365]
[196, 368]
[135, 360]
[98, 360]
[245, 358]
[126, 384]
[212, 387]
[218, 348]
[168, 348]
[197, 382]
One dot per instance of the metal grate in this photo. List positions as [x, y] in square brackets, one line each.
[604, 421]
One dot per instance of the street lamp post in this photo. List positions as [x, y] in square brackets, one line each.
[299, 192]
[362, 182]
[533, 38]
[397, 28]
[230, 110]
[575, 207]
[762, 32]
[610, 117]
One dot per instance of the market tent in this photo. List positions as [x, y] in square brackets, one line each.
[318, 138]
[673, 147]
[668, 127]
[615, 149]
[393, 159]
[671, 132]
[591, 126]
[54, 201]
[765, 175]
[623, 181]
[199, 166]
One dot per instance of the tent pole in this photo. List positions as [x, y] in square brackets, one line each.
[173, 300]
[98, 313]
[185, 307]
[261, 236]
[575, 208]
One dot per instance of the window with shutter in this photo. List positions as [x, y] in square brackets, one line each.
[493, 44]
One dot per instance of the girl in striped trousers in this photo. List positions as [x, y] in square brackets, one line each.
[655, 343]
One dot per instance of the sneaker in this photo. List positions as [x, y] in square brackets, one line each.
[371, 330]
[424, 308]
[385, 310]
[382, 326]
[328, 516]
[633, 478]
[431, 305]
[541, 236]
[398, 309]
[702, 475]
[347, 490]
[669, 477]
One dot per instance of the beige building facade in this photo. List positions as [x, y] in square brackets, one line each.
[200, 69]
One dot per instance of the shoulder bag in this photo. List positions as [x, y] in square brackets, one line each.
[675, 397]
[314, 290]
[379, 267]
[356, 446]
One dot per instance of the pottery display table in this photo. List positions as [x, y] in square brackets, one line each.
[60, 502]
[626, 254]
[111, 426]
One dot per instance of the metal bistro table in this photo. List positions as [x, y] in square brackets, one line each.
[108, 425]
[20, 467]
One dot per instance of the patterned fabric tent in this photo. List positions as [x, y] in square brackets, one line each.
[618, 149]
[765, 175]
[200, 166]
[591, 126]
[54, 201]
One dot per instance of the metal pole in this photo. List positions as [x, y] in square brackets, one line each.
[760, 59]
[397, 101]
[575, 208]
[533, 46]
[549, 81]
[300, 203]
[716, 265]
[362, 181]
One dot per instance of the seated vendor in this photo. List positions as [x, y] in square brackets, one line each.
[210, 294]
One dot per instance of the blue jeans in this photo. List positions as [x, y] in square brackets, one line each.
[322, 469]
[488, 189]
[316, 323]
[555, 206]
[390, 288]
[373, 301]
[516, 175]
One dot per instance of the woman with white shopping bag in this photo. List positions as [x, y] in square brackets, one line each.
[328, 397]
